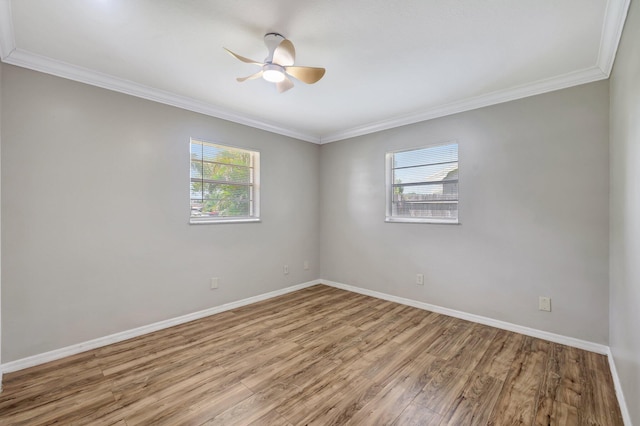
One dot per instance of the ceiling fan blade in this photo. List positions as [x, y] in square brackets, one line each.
[307, 75]
[242, 58]
[285, 54]
[250, 77]
[284, 85]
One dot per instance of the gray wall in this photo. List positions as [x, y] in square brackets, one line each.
[96, 237]
[624, 334]
[533, 211]
[95, 206]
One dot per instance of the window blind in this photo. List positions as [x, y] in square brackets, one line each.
[223, 182]
[423, 184]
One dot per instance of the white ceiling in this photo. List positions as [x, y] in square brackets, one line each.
[389, 63]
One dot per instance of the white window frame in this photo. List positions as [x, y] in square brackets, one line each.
[254, 185]
[389, 181]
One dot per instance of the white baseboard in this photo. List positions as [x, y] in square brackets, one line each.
[34, 360]
[545, 335]
[618, 386]
[136, 332]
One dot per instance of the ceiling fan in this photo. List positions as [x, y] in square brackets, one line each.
[279, 64]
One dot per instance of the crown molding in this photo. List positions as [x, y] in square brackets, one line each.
[25, 59]
[47, 65]
[543, 86]
[615, 16]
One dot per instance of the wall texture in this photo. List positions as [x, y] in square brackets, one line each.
[624, 334]
[95, 206]
[534, 182]
[96, 240]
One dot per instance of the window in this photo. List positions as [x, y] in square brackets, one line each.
[422, 185]
[224, 183]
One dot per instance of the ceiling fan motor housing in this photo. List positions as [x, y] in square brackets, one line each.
[272, 40]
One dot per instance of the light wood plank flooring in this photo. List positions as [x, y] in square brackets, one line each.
[319, 356]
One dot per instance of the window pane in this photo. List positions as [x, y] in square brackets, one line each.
[225, 155]
[431, 155]
[226, 200]
[225, 208]
[225, 172]
[426, 210]
[423, 184]
[196, 151]
[196, 169]
[224, 182]
[196, 190]
[426, 173]
[196, 208]
[220, 191]
[432, 192]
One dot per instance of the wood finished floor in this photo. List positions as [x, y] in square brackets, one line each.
[319, 356]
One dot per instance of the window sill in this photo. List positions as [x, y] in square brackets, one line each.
[209, 221]
[416, 220]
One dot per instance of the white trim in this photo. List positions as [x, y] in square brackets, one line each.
[552, 337]
[626, 416]
[47, 65]
[537, 88]
[615, 15]
[56, 354]
[540, 334]
[207, 221]
[136, 332]
[432, 221]
[614, 18]
[25, 59]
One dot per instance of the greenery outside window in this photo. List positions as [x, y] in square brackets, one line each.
[422, 185]
[225, 183]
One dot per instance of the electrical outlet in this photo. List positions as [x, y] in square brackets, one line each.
[544, 304]
[285, 269]
[305, 265]
[214, 283]
[420, 279]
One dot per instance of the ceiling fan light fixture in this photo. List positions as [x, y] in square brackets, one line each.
[273, 73]
[279, 65]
